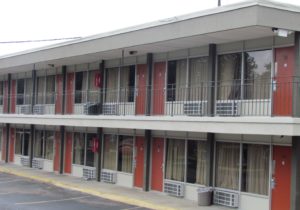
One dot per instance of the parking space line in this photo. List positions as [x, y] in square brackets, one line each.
[14, 180]
[6, 193]
[136, 207]
[51, 201]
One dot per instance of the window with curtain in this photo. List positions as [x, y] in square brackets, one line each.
[28, 90]
[80, 87]
[199, 79]
[255, 170]
[257, 74]
[229, 76]
[1, 137]
[90, 155]
[175, 156]
[20, 91]
[227, 165]
[1, 92]
[50, 89]
[18, 142]
[22, 142]
[127, 83]
[196, 162]
[176, 80]
[40, 90]
[94, 92]
[125, 154]
[38, 148]
[78, 149]
[49, 145]
[110, 152]
[111, 93]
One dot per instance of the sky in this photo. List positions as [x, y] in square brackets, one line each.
[49, 19]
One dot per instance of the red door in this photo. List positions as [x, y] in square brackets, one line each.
[68, 153]
[159, 88]
[3, 146]
[157, 164]
[282, 178]
[12, 145]
[56, 151]
[59, 89]
[13, 96]
[5, 97]
[141, 89]
[282, 90]
[70, 93]
[139, 161]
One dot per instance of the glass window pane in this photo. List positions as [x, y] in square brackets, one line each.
[227, 165]
[38, 144]
[18, 143]
[229, 76]
[257, 74]
[1, 137]
[176, 88]
[1, 92]
[49, 141]
[80, 87]
[20, 91]
[94, 92]
[78, 150]
[175, 159]
[127, 82]
[125, 154]
[40, 90]
[255, 174]
[110, 152]
[196, 162]
[111, 92]
[50, 90]
[28, 90]
[90, 155]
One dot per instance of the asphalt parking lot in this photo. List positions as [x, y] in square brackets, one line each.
[18, 193]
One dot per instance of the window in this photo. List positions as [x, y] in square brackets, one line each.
[1, 141]
[24, 91]
[41, 90]
[80, 87]
[176, 80]
[255, 169]
[227, 165]
[43, 144]
[90, 155]
[110, 152]
[229, 76]
[257, 74]
[196, 162]
[125, 154]
[111, 93]
[78, 149]
[127, 83]
[1, 92]
[38, 144]
[22, 142]
[94, 92]
[50, 89]
[175, 165]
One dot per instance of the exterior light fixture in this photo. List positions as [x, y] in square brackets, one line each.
[281, 32]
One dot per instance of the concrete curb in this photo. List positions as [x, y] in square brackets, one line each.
[113, 197]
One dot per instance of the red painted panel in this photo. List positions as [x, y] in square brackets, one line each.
[283, 92]
[56, 151]
[141, 89]
[282, 174]
[59, 94]
[5, 97]
[68, 152]
[13, 96]
[70, 93]
[157, 164]
[158, 88]
[139, 159]
[3, 151]
[12, 145]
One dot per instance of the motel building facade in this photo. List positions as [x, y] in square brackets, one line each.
[205, 99]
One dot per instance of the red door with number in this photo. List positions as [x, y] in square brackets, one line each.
[70, 93]
[139, 161]
[56, 151]
[159, 88]
[157, 164]
[283, 79]
[141, 89]
[281, 178]
[68, 152]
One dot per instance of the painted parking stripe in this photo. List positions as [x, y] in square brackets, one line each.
[15, 180]
[51, 201]
[6, 193]
[136, 207]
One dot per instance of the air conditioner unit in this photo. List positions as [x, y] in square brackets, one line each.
[89, 173]
[91, 108]
[193, 109]
[25, 161]
[25, 109]
[108, 176]
[110, 109]
[39, 109]
[174, 188]
[226, 198]
[37, 163]
[227, 108]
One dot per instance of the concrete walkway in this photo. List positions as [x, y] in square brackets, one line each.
[152, 200]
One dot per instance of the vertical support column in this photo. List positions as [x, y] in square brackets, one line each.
[210, 158]
[31, 142]
[101, 71]
[7, 143]
[295, 181]
[147, 155]
[33, 89]
[63, 104]
[62, 149]
[99, 155]
[296, 78]
[211, 69]
[149, 83]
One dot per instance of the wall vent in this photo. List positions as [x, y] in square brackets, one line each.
[174, 188]
[226, 198]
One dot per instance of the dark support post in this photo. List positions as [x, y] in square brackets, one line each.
[147, 152]
[31, 142]
[211, 69]
[296, 78]
[101, 71]
[99, 154]
[9, 93]
[210, 158]
[295, 181]
[62, 149]
[33, 89]
[7, 143]
[64, 73]
[149, 83]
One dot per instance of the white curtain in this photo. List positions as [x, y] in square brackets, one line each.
[112, 85]
[201, 163]
[181, 71]
[40, 90]
[94, 92]
[38, 144]
[110, 152]
[78, 150]
[49, 145]
[28, 91]
[125, 154]
[50, 90]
